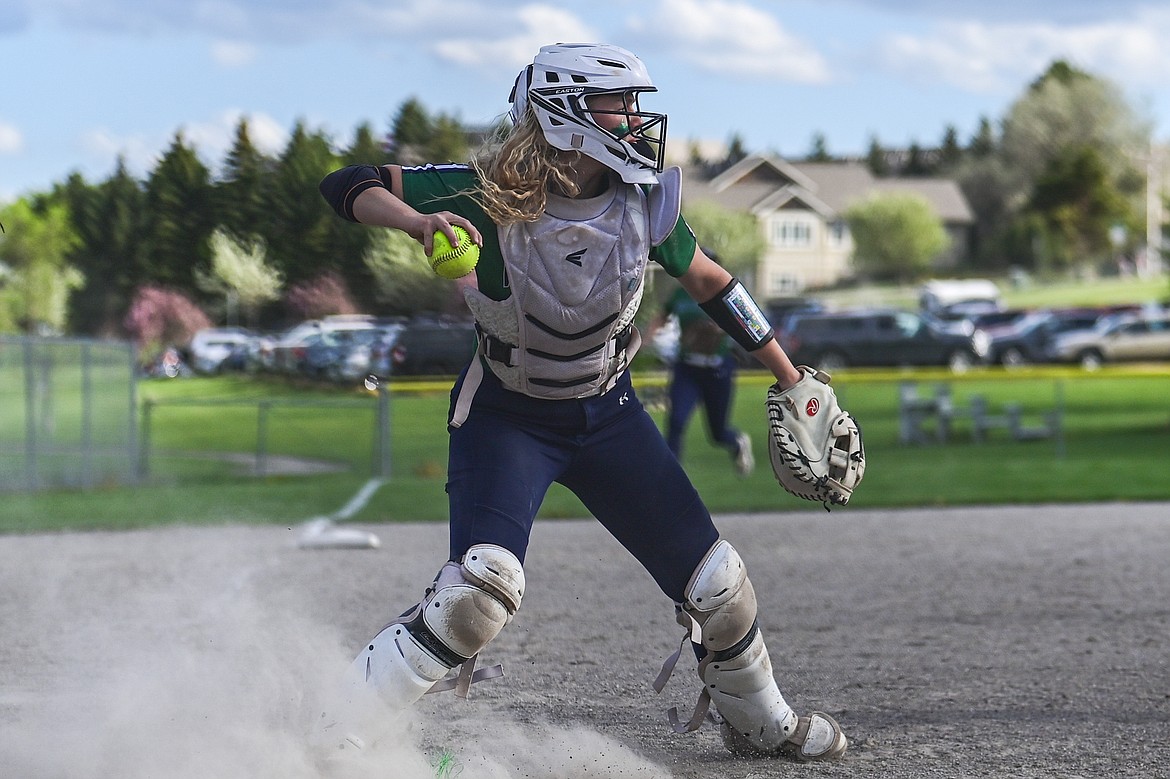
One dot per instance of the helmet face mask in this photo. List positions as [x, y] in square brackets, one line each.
[558, 88]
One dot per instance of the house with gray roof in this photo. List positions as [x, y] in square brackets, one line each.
[800, 207]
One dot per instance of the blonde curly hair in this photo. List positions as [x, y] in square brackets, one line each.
[519, 169]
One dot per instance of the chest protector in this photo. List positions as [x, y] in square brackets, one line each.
[576, 276]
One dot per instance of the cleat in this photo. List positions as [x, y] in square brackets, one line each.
[817, 738]
[745, 463]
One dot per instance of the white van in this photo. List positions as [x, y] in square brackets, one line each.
[211, 346]
[943, 296]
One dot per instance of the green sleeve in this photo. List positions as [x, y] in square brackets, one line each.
[433, 188]
[676, 252]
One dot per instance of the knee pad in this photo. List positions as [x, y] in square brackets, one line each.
[720, 599]
[467, 606]
[472, 602]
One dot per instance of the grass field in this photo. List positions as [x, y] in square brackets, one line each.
[1095, 292]
[1116, 435]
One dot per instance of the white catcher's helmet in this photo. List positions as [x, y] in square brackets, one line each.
[556, 85]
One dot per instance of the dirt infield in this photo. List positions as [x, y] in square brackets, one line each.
[1005, 642]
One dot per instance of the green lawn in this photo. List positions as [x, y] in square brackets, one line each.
[1038, 293]
[1117, 435]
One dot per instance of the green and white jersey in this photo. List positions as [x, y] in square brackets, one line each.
[701, 341]
[557, 297]
[433, 188]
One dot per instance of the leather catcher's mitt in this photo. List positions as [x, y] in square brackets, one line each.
[815, 447]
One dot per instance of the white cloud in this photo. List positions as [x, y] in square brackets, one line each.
[538, 25]
[11, 140]
[993, 58]
[233, 54]
[735, 38]
[211, 139]
[139, 152]
[1051, 11]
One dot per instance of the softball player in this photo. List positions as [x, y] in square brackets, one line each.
[703, 370]
[568, 208]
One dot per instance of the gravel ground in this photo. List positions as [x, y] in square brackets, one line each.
[971, 642]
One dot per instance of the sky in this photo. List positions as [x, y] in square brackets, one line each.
[84, 82]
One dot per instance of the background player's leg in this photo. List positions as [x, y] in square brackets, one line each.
[717, 388]
[683, 395]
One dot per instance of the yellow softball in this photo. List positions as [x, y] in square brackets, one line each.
[451, 262]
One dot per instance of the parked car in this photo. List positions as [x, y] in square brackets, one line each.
[1003, 317]
[951, 298]
[780, 310]
[1027, 340]
[1116, 338]
[366, 353]
[287, 353]
[876, 337]
[212, 346]
[433, 347]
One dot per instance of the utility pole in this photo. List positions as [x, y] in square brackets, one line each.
[1155, 169]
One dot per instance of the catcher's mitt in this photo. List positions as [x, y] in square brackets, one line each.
[815, 447]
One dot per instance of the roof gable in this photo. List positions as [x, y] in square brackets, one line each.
[757, 170]
[762, 184]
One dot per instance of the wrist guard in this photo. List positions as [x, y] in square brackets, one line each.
[737, 313]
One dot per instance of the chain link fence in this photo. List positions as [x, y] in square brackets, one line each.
[272, 436]
[67, 413]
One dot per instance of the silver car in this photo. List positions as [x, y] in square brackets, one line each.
[1125, 337]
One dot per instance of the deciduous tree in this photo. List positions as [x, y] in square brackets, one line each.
[895, 236]
[240, 272]
[37, 277]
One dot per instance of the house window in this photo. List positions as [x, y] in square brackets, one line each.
[791, 233]
[783, 284]
[838, 233]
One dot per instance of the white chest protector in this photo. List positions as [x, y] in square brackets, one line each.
[577, 276]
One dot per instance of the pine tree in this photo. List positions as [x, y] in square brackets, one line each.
[950, 154]
[350, 243]
[108, 219]
[820, 149]
[365, 148]
[983, 143]
[244, 206]
[448, 141]
[875, 158]
[411, 131]
[299, 243]
[916, 163]
[180, 216]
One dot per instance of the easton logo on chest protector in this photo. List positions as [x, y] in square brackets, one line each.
[575, 257]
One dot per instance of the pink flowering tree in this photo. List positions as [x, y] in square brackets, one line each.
[321, 296]
[160, 317]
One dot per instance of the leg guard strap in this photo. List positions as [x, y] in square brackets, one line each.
[467, 606]
[745, 693]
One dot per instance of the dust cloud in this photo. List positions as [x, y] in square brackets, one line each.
[167, 682]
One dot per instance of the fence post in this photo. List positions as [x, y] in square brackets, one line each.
[262, 437]
[382, 459]
[30, 416]
[86, 417]
[144, 447]
[133, 448]
[1058, 420]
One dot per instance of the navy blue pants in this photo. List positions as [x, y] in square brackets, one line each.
[690, 384]
[606, 449]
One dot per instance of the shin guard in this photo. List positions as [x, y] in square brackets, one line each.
[466, 607]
